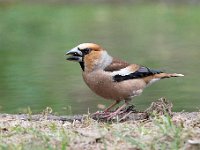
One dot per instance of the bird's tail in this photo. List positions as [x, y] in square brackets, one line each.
[168, 75]
[175, 75]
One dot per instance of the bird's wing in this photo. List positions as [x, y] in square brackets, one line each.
[133, 72]
[116, 65]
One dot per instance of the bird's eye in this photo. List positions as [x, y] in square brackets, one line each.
[86, 51]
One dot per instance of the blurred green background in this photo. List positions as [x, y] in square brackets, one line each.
[34, 38]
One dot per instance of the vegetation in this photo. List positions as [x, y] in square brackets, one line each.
[159, 132]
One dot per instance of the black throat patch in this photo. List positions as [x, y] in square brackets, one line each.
[82, 65]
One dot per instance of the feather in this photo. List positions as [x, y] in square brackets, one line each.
[140, 73]
[116, 65]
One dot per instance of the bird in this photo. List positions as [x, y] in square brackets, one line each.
[113, 78]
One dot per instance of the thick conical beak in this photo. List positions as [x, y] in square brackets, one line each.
[75, 55]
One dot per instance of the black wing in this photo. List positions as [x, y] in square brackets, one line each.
[140, 73]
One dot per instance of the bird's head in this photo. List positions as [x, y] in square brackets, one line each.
[90, 56]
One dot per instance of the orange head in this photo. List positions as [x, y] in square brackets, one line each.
[90, 56]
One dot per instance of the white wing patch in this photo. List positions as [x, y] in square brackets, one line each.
[153, 81]
[122, 72]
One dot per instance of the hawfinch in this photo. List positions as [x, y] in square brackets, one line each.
[112, 78]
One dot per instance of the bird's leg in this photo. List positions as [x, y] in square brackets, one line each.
[107, 109]
[111, 106]
[111, 115]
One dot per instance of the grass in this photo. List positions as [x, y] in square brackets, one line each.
[161, 132]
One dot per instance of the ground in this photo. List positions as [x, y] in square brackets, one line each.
[159, 131]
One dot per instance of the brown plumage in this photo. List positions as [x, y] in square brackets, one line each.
[116, 64]
[112, 78]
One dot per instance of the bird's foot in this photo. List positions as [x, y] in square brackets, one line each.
[111, 115]
[100, 113]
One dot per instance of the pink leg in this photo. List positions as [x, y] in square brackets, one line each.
[111, 106]
[107, 109]
[111, 115]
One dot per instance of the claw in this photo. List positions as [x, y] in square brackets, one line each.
[112, 115]
[100, 113]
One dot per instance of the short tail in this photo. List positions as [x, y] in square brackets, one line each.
[175, 75]
[168, 75]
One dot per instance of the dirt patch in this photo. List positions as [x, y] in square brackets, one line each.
[160, 129]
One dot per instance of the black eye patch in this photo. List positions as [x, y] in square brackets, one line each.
[86, 51]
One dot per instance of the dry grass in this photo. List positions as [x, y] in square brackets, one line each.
[182, 131]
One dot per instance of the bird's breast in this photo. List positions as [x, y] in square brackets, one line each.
[102, 84]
